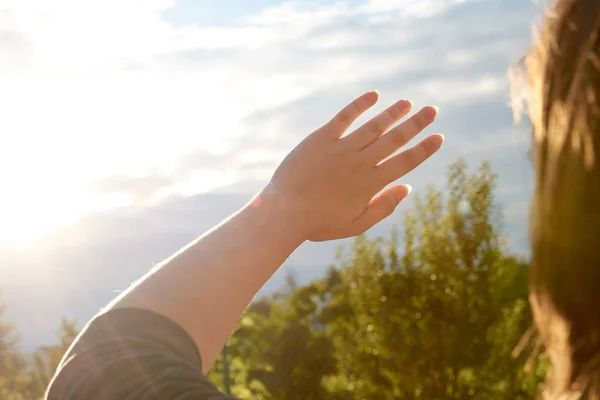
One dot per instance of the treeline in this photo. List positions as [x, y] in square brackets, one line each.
[26, 376]
[438, 310]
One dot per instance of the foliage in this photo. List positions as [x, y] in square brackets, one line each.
[437, 310]
[437, 314]
[31, 374]
[45, 360]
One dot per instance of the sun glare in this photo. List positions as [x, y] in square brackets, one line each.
[24, 223]
[26, 215]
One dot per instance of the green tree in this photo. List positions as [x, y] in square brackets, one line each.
[280, 349]
[12, 362]
[436, 312]
[43, 363]
[442, 319]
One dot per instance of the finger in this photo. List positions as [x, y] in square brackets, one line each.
[380, 208]
[346, 117]
[389, 143]
[377, 126]
[408, 160]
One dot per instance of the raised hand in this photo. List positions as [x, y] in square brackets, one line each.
[329, 182]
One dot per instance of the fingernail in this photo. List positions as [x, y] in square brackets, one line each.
[405, 104]
[431, 112]
[400, 197]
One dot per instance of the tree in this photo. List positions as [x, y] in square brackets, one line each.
[44, 362]
[280, 349]
[441, 320]
[436, 312]
[12, 363]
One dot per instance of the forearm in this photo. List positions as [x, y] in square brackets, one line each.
[207, 285]
[328, 187]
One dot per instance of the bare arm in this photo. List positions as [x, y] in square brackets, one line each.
[323, 190]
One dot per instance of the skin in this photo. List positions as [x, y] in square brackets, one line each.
[326, 188]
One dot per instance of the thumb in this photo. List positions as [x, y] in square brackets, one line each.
[380, 207]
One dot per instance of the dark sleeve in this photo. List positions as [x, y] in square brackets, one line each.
[132, 354]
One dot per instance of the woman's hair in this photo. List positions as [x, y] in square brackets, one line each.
[563, 102]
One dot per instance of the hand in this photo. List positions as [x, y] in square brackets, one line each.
[328, 182]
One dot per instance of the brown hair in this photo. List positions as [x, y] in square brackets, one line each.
[563, 72]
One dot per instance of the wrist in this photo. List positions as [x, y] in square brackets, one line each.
[279, 216]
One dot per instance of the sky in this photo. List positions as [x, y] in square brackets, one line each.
[129, 127]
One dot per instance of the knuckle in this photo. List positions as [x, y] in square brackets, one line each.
[422, 120]
[344, 116]
[420, 153]
[398, 138]
[376, 127]
[392, 114]
[390, 205]
[349, 113]
[428, 148]
[409, 158]
[416, 123]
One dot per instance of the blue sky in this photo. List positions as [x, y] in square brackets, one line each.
[132, 126]
[207, 12]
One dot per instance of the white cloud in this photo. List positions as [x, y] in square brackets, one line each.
[104, 88]
[106, 105]
[421, 8]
